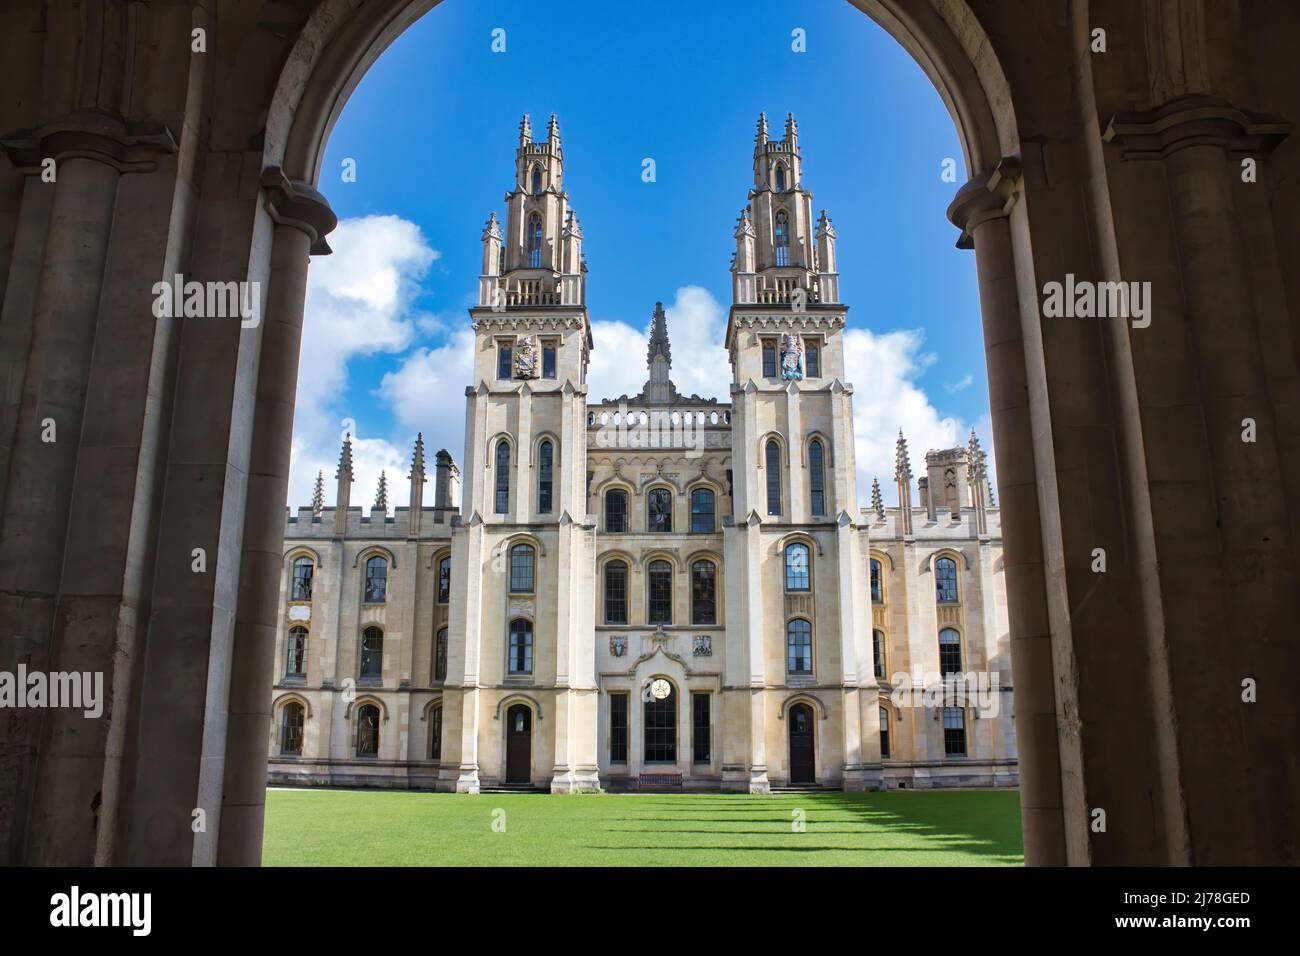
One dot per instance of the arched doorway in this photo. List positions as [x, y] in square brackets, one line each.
[803, 747]
[519, 745]
[659, 720]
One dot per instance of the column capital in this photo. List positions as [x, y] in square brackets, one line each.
[987, 196]
[300, 206]
[1194, 120]
[129, 147]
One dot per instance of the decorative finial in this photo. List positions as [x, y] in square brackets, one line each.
[492, 228]
[318, 496]
[902, 466]
[824, 227]
[345, 458]
[877, 503]
[417, 459]
[525, 130]
[659, 337]
[791, 128]
[762, 128]
[553, 128]
[381, 496]
[744, 225]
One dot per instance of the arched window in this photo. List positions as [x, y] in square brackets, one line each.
[878, 653]
[615, 511]
[945, 581]
[545, 457]
[302, 572]
[782, 236]
[537, 179]
[292, 718]
[376, 580]
[780, 177]
[660, 719]
[660, 583]
[295, 663]
[798, 647]
[372, 654]
[884, 733]
[616, 593]
[949, 652]
[521, 647]
[772, 462]
[816, 478]
[660, 510]
[367, 731]
[521, 569]
[534, 241]
[797, 562]
[444, 580]
[954, 732]
[435, 733]
[440, 655]
[702, 511]
[503, 478]
[704, 592]
[877, 588]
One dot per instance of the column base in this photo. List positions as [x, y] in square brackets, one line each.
[858, 779]
[745, 780]
[458, 780]
[582, 780]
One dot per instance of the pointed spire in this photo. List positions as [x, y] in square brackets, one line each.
[659, 337]
[417, 459]
[877, 502]
[977, 460]
[525, 131]
[744, 224]
[381, 496]
[761, 136]
[553, 128]
[345, 458]
[492, 228]
[318, 496]
[791, 128]
[902, 465]
[824, 227]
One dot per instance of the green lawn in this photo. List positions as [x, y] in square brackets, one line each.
[395, 828]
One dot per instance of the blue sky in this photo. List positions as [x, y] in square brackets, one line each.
[432, 129]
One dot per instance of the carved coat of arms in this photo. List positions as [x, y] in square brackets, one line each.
[526, 357]
[617, 645]
[791, 356]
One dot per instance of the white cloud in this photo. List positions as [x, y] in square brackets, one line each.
[359, 302]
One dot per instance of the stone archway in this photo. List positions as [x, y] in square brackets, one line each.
[1105, 439]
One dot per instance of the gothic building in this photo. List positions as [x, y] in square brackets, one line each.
[653, 590]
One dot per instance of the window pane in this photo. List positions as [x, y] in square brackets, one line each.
[782, 237]
[661, 593]
[618, 728]
[949, 652]
[704, 596]
[296, 662]
[368, 731]
[954, 732]
[878, 653]
[816, 479]
[616, 593]
[372, 653]
[660, 501]
[945, 580]
[769, 358]
[700, 728]
[504, 354]
[616, 511]
[521, 569]
[796, 567]
[702, 511]
[503, 478]
[548, 361]
[813, 361]
[798, 639]
[544, 473]
[302, 572]
[884, 733]
[376, 580]
[444, 580]
[534, 242]
[291, 726]
[660, 718]
[877, 593]
[521, 647]
[440, 656]
[435, 734]
[773, 465]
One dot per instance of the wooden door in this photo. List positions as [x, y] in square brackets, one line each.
[803, 764]
[519, 744]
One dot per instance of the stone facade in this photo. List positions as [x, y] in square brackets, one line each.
[655, 584]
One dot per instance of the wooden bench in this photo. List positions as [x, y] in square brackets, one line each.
[659, 781]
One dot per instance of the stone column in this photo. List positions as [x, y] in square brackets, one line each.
[303, 218]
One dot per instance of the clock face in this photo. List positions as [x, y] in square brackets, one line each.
[661, 689]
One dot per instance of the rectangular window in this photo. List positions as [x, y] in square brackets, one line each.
[877, 593]
[504, 356]
[616, 512]
[702, 509]
[548, 361]
[616, 593]
[884, 734]
[878, 653]
[769, 358]
[954, 732]
[444, 581]
[704, 591]
[435, 734]
[618, 728]
[700, 728]
[521, 570]
[812, 357]
[661, 594]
